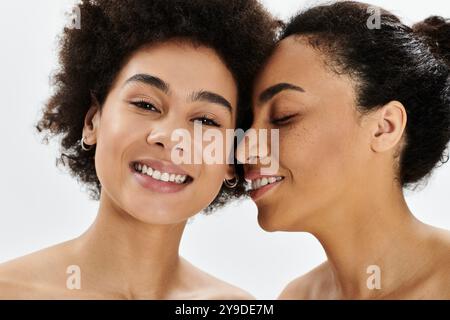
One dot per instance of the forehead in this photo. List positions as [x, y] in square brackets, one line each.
[183, 66]
[294, 61]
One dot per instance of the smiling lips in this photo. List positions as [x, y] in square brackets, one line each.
[160, 177]
[260, 184]
[256, 184]
[167, 178]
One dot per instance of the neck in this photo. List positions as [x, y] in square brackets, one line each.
[128, 257]
[371, 228]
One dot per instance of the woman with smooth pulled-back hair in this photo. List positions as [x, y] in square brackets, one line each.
[362, 114]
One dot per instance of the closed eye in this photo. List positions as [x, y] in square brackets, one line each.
[283, 120]
[145, 105]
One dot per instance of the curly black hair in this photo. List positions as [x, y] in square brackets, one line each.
[392, 62]
[242, 33]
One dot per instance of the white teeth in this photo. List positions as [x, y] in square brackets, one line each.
[180, 178]
[264, 182]
[156, 175]
[261, 182]
[162, 176]
[165, 177]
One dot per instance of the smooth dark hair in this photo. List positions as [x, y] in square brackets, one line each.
[241, 32]
[393, 62]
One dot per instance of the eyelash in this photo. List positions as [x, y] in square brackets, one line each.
[283, 120]
[211, 123]
[148, 106]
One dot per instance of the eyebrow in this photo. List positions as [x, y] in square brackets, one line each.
[211, 97]
[272, 91]
[163, 86]
[150, 80]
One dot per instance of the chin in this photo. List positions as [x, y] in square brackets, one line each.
[272, 221]
[160, 217]
[267, 222]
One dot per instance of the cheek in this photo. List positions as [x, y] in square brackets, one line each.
[316, 154]
[114, 136]
[210, 181]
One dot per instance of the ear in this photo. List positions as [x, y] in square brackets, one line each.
[389, 126]
[230, 174]
[91, 124]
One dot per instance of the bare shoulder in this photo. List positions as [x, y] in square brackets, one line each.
[205, 286]
[308, 286]
[440, 275]
[31, 276]
[13, 289]
[442, 238]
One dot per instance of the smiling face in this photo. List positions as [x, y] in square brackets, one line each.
[323, 146]
[162, 88]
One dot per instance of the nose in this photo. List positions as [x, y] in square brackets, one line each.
[161, 133]
[247, 149]
[253, 147]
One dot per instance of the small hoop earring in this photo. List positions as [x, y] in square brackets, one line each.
[83, 145]
[231, 183]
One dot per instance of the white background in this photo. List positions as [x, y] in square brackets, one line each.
[41, 206]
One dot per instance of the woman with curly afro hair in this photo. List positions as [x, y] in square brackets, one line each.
[135, 72]
[362, 111]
